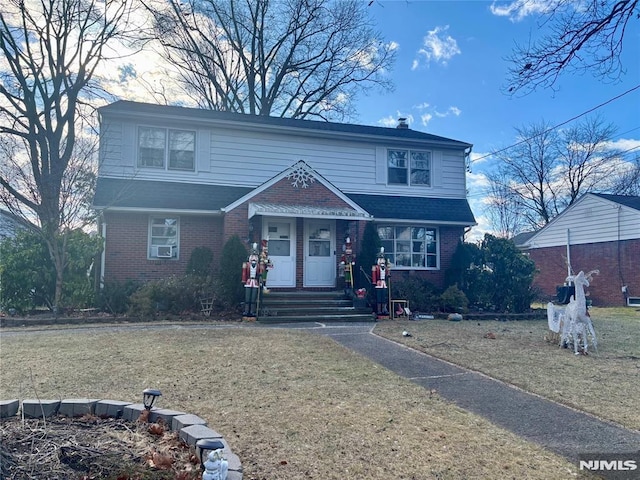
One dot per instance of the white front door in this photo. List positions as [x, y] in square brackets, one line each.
[281, 233]
[319, 253]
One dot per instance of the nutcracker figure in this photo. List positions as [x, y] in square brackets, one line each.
[347, 262]
[265, 263]
[380, 280]
[251, 272]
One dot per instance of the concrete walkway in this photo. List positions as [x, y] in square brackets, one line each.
[558, 428]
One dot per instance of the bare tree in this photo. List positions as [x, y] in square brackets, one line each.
[51, 49]
[548, 170]
[288, 58]
[628, 180]
[501, 207]
[585, 159]
[582, 37]
[526, 175]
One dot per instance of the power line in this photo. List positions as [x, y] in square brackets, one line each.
[482, 191]
[558, 125]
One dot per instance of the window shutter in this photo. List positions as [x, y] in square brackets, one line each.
[129, 144]
[436, 168]
[203, 151]
[381, 165]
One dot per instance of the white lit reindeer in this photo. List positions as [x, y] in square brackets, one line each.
[574, 320]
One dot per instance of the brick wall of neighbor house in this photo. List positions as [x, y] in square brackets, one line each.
[126, 246]
[618, 263]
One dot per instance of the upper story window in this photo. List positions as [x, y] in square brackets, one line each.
[166, 148]
[408, 246]
[409, 167]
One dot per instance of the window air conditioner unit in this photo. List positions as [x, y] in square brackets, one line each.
[164, 251]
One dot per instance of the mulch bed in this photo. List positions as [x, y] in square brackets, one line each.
[87, 448]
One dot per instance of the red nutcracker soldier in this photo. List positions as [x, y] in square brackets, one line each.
[347, 261]
[251, 272]
[379, 278]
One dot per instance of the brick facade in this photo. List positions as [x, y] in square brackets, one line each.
[618, 263]
[127, 235]
[127, 242]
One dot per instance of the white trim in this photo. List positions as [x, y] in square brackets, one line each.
[437, 223]
[304, 211]
[426, 254]
[152, 250]
[167, 151]
[292, 252]
[158, 211]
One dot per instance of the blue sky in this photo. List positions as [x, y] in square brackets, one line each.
[451, 69]
[449, 77]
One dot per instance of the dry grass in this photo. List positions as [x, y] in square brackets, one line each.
[292, 405]
[603, 383]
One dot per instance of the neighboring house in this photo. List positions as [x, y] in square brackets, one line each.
[598, 232]
[172, 179]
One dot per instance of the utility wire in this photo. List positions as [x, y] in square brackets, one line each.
[558, 125]
[482, 191]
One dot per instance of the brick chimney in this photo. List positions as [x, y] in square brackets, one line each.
[402, 123]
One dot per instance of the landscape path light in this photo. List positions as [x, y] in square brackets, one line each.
[213, 464]
[149, 396]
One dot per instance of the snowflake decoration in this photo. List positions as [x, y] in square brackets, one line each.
[301, 175]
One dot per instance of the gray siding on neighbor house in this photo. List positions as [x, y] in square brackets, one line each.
[592, 219]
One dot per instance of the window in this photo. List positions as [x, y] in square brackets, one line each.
[409, 167]
[413, 247]
[163, 237]
[166, 148]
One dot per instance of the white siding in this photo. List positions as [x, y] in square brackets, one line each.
[231, 156]
[590, 220]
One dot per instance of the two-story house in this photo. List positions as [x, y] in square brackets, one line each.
[172, 179]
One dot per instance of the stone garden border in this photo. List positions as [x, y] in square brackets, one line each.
[190, 428]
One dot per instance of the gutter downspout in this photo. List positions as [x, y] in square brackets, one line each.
[103, 255]
[568, 252]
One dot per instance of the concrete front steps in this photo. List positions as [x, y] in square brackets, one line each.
[307, 306]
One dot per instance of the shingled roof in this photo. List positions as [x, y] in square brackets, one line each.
[146, 194]
[437, 210]
[124, 107]
[630, 201]
[141, 194]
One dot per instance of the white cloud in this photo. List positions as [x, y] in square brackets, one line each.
[624, 144]
[477, 158]
[392, 121]
[438, 47]
[449, 111]
[476, 182]
[426, 118]
[519, 9]
[389, 121]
